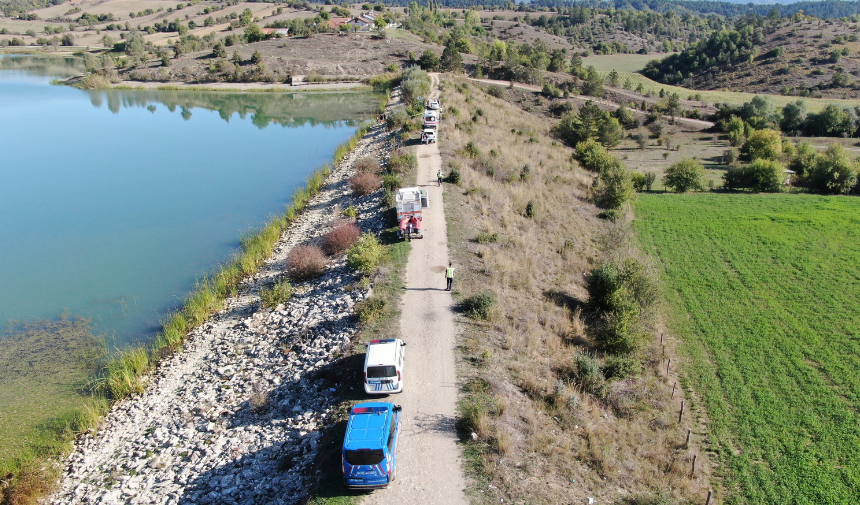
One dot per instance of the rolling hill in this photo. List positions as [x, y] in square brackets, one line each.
[798, 56]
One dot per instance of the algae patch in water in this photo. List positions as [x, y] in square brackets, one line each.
[44, 368]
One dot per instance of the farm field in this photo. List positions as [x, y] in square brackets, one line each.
[764, 292]
[621, 62]
[734, 97]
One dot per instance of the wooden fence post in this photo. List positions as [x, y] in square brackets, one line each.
[668, 363]
[673, 388]
[681, 412]
[693, 469]
[689, 432]
[708, 500]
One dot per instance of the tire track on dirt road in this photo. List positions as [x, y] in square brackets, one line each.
[429, 467]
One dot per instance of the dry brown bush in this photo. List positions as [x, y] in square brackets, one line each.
[340, 238]
[364, 184]
[306, 262]
[367, 164]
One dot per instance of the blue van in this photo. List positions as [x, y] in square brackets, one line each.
[370, 446]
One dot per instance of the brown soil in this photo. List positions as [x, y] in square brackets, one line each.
[328, 55]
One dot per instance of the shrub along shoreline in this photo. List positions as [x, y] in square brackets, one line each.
[123, 374]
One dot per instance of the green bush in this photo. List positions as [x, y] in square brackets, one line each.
[350, 211]
[610, 214]
[279, 293]
[415, 83]
[370, 310]
[479, 305]
[630, 274]
[621, 366]
[638, 180]
[531, 209]
[366, 254]
[402, 160]
[834, 172]
[621, 331]
[764, 175]
[454, 176]
[593, 156]
[391, 182]
[487, 238]
[765, 144]
[471, 150]
[586, 372]
[685, 175]
[615, 188]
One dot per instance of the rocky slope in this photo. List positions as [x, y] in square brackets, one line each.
[235, 417]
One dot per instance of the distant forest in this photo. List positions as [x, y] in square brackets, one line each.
[824, 9]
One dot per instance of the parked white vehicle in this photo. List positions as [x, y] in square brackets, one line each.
[434, 105]
[428, 136]
[383, 366]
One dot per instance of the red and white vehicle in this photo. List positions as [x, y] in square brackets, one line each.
[431, 119]
[410, 203]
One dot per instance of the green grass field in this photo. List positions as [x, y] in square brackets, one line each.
[620, 62]
[734, 97]
[764, 292]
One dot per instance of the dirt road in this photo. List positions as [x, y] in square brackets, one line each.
[429, 469]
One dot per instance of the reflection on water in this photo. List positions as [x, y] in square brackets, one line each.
[264, 108]
[43, 66]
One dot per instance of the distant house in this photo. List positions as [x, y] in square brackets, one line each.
[336, 23]
[363, 22]
[277, 31]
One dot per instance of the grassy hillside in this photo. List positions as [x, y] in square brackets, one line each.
[522, 231]
[765, 289]
[798, 56]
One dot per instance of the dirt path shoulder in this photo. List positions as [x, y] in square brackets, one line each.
[429, 469]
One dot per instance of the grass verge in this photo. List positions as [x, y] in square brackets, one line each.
[32, 475]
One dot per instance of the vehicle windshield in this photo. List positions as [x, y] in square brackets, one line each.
[364, 457]
[378, 372]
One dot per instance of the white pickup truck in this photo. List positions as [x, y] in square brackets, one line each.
[428, 136]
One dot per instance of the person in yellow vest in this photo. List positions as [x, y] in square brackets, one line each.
[449, 276]
[439, 176]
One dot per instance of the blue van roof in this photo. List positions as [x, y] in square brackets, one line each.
[367, 428]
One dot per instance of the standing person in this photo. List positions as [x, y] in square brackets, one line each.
[439, 176]
[449, 277]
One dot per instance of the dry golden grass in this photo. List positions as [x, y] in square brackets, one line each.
[540, 438]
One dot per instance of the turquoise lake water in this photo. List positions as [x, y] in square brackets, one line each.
[112, 203]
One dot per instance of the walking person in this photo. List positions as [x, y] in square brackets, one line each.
[449, 277]
[439, 176]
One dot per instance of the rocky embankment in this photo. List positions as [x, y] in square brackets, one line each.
[235, 417]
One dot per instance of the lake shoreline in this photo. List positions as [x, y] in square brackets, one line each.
[198, 415]
[246, 317]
